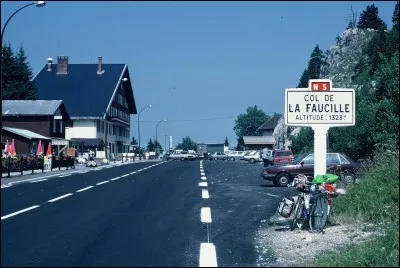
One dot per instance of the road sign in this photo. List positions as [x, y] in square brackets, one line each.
[320, 106]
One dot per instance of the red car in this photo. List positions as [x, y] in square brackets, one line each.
[282, 156]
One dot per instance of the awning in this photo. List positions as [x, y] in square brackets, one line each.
[25, 133]
[258, 140]
[96, 142]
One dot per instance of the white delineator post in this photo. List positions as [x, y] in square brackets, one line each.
[319, 106]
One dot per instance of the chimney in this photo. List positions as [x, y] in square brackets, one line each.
[62, 65]
[49, 62]
[100, 63]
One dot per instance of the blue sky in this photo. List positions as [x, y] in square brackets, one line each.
[199, 64]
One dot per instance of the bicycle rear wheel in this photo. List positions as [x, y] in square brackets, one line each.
[319, 214]
[297, 213]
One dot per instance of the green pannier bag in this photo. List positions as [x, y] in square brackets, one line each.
[327, 178]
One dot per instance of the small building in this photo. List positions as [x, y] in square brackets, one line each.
[33, 120]
[258, 142]
[100, 101]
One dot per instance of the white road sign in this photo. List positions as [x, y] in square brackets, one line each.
[304, 107]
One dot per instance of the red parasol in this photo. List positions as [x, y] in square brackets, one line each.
[7, 147]
[39, 150]
[48, 153]
[11, 149]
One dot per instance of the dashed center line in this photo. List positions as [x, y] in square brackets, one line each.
[100, 183]
[18, 212]
[203, 174]
[203, 184]
[115, 178]
[60, 197]
[208, 255]
[125, 175]
[205, 215]
[204, 194]
[84, 189]
[203, 177]
[133, 173]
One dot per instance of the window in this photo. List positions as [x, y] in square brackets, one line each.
[102, 127]
[98, 125]
[332, 159]
[61, 126]
[54, 126]
[309, 160]
[343, 160]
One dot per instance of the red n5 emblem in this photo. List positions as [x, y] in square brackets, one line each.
[320, 86]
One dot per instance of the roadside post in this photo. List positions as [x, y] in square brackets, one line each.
[320, 107]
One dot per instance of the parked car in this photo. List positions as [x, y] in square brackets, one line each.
[282, 175]
[218, 156]
[233, 155]
[281, 157]
[253, 157]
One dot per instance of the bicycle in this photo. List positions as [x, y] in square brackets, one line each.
[346, 178]
[313, 203]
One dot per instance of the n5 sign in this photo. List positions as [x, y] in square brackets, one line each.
[309, 107]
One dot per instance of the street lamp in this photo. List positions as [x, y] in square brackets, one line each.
[138, 127]
[156, 134]
[38, 4]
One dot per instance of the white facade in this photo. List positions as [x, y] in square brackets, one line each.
[118, 137]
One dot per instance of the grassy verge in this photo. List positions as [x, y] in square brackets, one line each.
[375, 200]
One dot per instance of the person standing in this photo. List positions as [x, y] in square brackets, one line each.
[265, 153]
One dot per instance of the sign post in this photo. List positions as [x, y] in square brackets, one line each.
[320, 106]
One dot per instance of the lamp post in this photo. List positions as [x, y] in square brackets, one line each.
[138, 127]
[156, 135]
[38, 4]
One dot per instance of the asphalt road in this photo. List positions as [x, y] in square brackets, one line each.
[156, 215]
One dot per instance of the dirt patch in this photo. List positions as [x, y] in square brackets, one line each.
[278, 246]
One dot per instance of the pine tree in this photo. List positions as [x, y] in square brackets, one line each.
[370, 19]
[395, 17]
[17, 76]
[313, 70]
[150, 145]
[226, 143]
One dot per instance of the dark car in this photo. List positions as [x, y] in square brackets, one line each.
[282, 175]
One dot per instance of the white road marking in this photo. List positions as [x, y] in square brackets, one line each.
[5, 185]
[84, 189]
[203, 184]
[134, 172]
[18, 212]
[202, 170]
[115, 179]
[208, 255]
[203, 177]
[205, 215]
[139, 170]
[60, 197]
[64, 175]
[274, 195]
[203, 174]
[204, 194]
[125, 175]
[100, 183]
[38, 180]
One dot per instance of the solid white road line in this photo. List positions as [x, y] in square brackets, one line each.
[18, 212]
[58, 198]
[84, 189]
[204, 194]
[115, 178]
[203, 184]
[100, 183]
[208, 255]
[203, 177]
[66, 175]
[205, 215]
[38, 180]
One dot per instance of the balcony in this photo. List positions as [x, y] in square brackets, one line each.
[119, 121]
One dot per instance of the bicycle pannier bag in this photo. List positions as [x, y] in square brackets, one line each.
[285, 207]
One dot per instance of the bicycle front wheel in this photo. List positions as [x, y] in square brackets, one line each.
[319, 214]
[297, 213]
